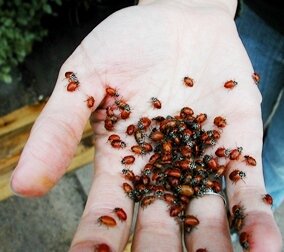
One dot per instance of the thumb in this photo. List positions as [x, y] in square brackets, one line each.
[58, 130]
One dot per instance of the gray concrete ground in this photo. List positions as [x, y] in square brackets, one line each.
[49, 223]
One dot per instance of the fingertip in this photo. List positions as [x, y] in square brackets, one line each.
[32, 187]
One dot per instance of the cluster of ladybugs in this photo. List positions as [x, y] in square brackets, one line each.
[118, 105]
[178, 169]
[73, 85]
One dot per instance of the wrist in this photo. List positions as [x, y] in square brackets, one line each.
[229, 6]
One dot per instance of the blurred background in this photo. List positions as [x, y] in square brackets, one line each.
[35, 39]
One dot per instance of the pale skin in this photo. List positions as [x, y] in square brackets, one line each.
[145, 51]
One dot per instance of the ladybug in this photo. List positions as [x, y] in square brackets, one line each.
[173, 172]
[220, 171]
[108, 124]
[128, 160]
[154, 158]
[109, 111]
[158, 118]
[189, 82]
[235, 153]
[170, 198]
[102, 248]
[250, 160]
[156, 103]
[130, 129]
[147, 200]
[244, 240]
[147, 147]
[230, 84]
[137, 149]
[190, 222]
[139, 136]
[125, 113]
[185, 190]
[90, 101]
[267, 199]
[222, 152]
[201, 250]
[127, 188]
[238, 211]
[72, 86]
[176, 210]
[185, 112]
[255, 76]
[118, 144]
[113, 137]
[71, 77]
[156, 136]
[236, 175]
[220, 122]
[128, 174]
[121, 214]
[111, 92]
[144, 123]
[201, 118]
[107, 221]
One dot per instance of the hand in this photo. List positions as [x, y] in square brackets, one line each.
[145, 51]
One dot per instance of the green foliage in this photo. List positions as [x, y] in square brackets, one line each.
[20, 27]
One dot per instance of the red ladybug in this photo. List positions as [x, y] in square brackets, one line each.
[72, 86]
[185, 190]
[267, 199]
[144, 123]
[118, 144]
[156, 103]
[190, 222]
[189, 82]
[71, 77]
[108, 124]
[185, 112]
[125, 113]
[128, 174]
[113, 137]
[250, 160]
[244, 240]
[147, 200]
[90, 101]
[102, 248]
[127, 188]
[128, 160]
[156, 136]
[235, 153]
[236, 175]
[121, 214]
[222, 152]
[137, 149]
[176, 210]
[201, 250]
[201, 118]
[220, 122]
[130, 129]
[255, 76]
[111, 92]
[230, 84]
[107, 221]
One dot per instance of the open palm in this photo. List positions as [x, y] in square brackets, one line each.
[145, 51]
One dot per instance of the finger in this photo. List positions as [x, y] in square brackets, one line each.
[244, 130]
[58, 130]
[212, 232]
[156, 230]
[105, 195]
